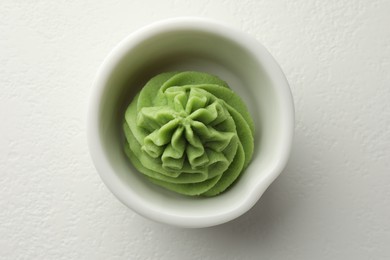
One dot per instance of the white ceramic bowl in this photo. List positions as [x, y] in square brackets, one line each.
[190, 44]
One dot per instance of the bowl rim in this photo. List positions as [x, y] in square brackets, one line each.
[102, 165]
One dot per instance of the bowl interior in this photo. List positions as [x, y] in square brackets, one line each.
[214, 51]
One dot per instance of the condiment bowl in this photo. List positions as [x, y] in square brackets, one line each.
[198, 44]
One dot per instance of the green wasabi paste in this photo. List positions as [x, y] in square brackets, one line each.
[189, 133]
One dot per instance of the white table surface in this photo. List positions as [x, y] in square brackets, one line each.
[331, 202]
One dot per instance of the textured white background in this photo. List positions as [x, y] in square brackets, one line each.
[331, 202]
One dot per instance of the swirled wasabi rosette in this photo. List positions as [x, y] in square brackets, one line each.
[189, 133]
